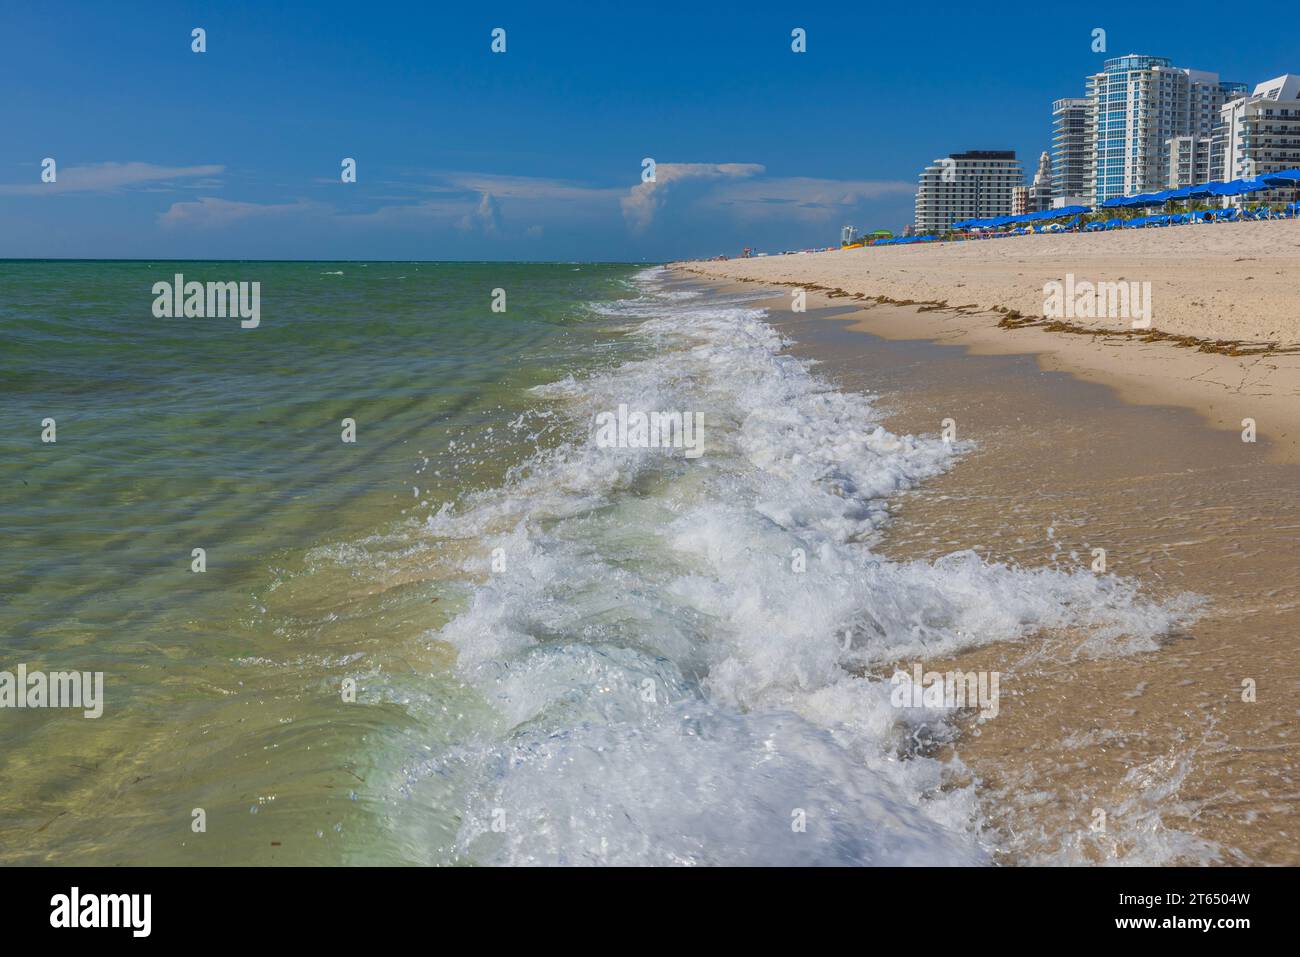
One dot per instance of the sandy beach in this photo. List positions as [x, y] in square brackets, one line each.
[1225, 331]
[1157, 737]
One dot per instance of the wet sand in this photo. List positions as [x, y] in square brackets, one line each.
[1097, 755]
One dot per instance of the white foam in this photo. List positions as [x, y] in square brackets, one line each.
[668, 689]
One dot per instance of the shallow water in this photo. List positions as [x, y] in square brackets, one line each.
[564, 653]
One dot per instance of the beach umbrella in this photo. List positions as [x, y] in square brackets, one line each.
[1206, 190]
[1291, 176]
[1142, 199]
[1173, 195]
[1239, 187]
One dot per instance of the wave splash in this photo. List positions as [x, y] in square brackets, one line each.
[666, 687]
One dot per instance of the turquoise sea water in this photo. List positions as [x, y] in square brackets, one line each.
[174, 434]
[562, 652]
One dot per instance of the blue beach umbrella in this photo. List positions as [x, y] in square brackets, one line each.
[1239, 187]
[1141, 199]
[1206, 190]
[1291, 176]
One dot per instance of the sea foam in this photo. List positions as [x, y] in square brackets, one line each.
[667, 688]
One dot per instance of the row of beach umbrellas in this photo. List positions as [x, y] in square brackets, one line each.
[1236, 187]
[1041, 216]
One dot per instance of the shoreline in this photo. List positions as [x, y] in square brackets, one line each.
[1223, 380]
[1156, 736]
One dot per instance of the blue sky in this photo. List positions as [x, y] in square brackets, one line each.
[535, 153]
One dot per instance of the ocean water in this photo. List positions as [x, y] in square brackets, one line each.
[563, 653]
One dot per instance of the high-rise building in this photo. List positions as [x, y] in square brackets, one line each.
[1037, 196]
[1071, 150]
[1261, 134]
[1040, 190]
[972, 185]
[1193, 160]
[1137, 105]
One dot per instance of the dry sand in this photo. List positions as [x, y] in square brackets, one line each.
[1225, 331]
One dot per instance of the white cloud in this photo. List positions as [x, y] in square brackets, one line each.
[492, 205]
[485, 218]
[803, 198]
[646, 199]
[529, 187]
[210, 211]
[109, 177]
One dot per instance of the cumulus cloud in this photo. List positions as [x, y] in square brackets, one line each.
[646, 199]
[109, 177]
[486, 217]
[508, 208]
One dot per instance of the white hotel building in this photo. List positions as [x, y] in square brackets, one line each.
[971, 185]
[1071, 150]
[1137, 106]
[1260, 134]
